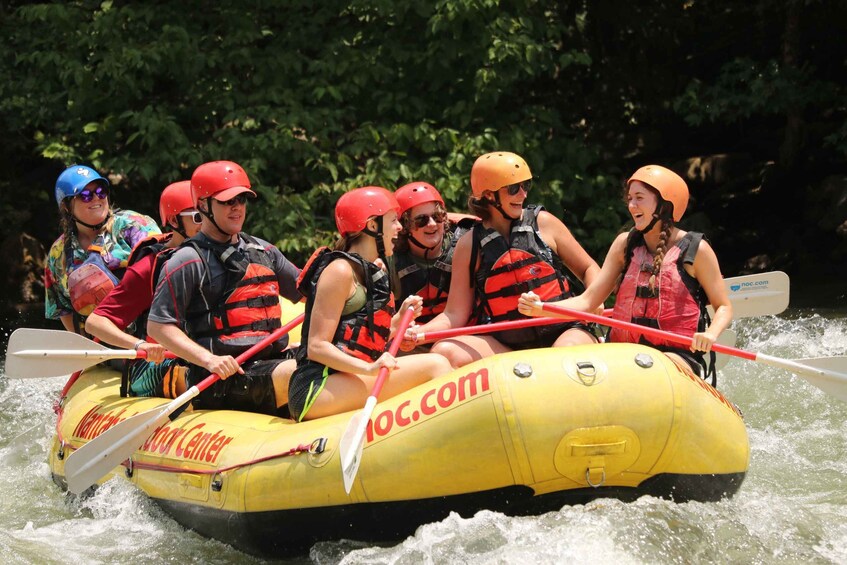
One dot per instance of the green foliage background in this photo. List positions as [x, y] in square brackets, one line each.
[315, 98]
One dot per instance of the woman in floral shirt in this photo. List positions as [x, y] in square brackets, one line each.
[94, 235]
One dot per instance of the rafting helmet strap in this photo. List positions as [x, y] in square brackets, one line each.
[377, 235]
[498, 205]
[95, 227]
[209, 214]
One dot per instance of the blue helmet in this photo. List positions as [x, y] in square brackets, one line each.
[74, 179]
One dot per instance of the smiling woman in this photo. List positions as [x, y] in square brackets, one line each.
[88, 259]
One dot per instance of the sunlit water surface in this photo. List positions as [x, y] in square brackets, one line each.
[792, 507]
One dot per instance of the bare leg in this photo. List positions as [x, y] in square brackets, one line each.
[280, 376]
[466, 349]
[345, 391]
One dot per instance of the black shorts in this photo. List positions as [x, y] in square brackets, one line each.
[251, 392]
[538, 337]
[305, 385]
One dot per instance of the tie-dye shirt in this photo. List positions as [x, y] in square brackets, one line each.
[128, 228]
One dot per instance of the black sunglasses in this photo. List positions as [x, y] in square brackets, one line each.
[524, 185]
[240, 199]
[87, 195]
[422, 220]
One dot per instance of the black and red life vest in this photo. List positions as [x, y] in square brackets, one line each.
[365, 332]
[508, 268]
[676, 304]
[432, 282]
[249, 309]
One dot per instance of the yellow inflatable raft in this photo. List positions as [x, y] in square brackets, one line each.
[520, 433]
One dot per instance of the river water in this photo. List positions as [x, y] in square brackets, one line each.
[792, 507]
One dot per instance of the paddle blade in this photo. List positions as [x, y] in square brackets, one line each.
[95, 459]
[827, 373]
[728, 337]
[762, 294]
[353, 442]
[34, 353]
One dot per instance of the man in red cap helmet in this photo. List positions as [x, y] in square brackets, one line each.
[218, 295]
[120, 319]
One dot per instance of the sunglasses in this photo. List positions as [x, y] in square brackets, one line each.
[422, 220]
[513, 189]
[195, 216]
[240, 199]
[88, 195]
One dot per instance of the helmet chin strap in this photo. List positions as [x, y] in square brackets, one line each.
[412, 239]
[211, 217]
[660, 213]
[499, 206]
[95, 227]
[649, 227]
[377, 235]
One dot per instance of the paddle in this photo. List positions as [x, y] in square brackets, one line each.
[828, 374]
[34, 353]
[89, 463]
[763, 294]
[353, 440]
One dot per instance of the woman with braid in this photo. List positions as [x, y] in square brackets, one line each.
[664, 276]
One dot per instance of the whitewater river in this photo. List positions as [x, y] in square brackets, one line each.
[792, 507]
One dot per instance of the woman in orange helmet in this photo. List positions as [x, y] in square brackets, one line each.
[514, 249]
[664, 276]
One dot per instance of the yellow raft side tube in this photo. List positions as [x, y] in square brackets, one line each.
[597, 420]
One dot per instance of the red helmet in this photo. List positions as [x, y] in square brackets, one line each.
[493, 171]
[354, 208]
[174, 199]
[219, 179]
[414, 193]
[669, 184]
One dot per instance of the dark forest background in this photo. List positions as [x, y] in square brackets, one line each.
[745, 99]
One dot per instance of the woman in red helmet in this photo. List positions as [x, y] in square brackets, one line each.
[515, 248]
[350, 314]
[665, 277]
[423, 255]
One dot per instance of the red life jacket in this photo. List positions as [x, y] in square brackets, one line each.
[509, 268]
[90, 282]
[153, 244]
[363, 333]
[678, 302]
[249, 308]
[431, 283]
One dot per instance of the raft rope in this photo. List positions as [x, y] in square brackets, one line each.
[314, 448]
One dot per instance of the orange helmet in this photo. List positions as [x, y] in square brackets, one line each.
[174, 199]
[219, 179]
[493, 171]
[414, 193]
[354, 208]
[669, 184]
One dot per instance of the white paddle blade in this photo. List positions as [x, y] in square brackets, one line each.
[95, 459]
[34, 353]
[827, 373]
[728, 338]
[763, 294]
[353, 442]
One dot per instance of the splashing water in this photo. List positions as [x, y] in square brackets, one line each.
[792, 507]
